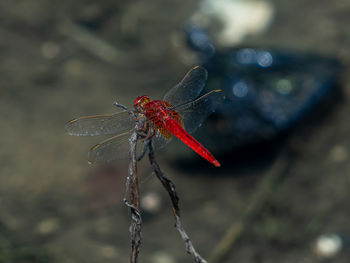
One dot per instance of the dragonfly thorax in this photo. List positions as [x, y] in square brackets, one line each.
[140, 102]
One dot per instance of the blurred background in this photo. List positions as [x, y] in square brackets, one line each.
[283, 190]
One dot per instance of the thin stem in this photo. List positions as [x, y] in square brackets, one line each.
[123, 107]
[134, 201]
[170, 187]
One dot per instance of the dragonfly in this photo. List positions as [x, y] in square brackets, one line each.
[181, 112]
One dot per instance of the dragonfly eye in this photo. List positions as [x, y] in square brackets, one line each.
[140, 102]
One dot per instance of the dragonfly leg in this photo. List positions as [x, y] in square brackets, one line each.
[150, 133]
[143, 128]
[139, 117]
[145, 131]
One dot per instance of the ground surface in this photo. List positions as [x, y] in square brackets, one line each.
[55, 208]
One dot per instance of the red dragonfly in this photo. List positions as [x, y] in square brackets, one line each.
[181, 112]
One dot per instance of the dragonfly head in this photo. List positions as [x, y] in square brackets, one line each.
[140, 102]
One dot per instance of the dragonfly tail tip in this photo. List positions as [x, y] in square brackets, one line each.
[216, 163]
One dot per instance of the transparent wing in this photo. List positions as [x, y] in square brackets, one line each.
[189, 88]
[100, 124]
[159, 141]
[194, 113]
[116, 147]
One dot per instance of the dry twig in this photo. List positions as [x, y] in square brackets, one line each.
[170, 187]
[134, 203]
[134, 200]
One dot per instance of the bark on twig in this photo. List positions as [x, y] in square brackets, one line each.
[134, 201]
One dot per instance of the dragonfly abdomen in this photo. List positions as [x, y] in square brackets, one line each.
[175, 128]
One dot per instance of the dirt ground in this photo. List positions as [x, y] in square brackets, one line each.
[55, 64]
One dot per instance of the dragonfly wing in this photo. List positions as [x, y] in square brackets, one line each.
[189, 88]
[100, 124]
[159, 141]
[116, 147]
[194, 113]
